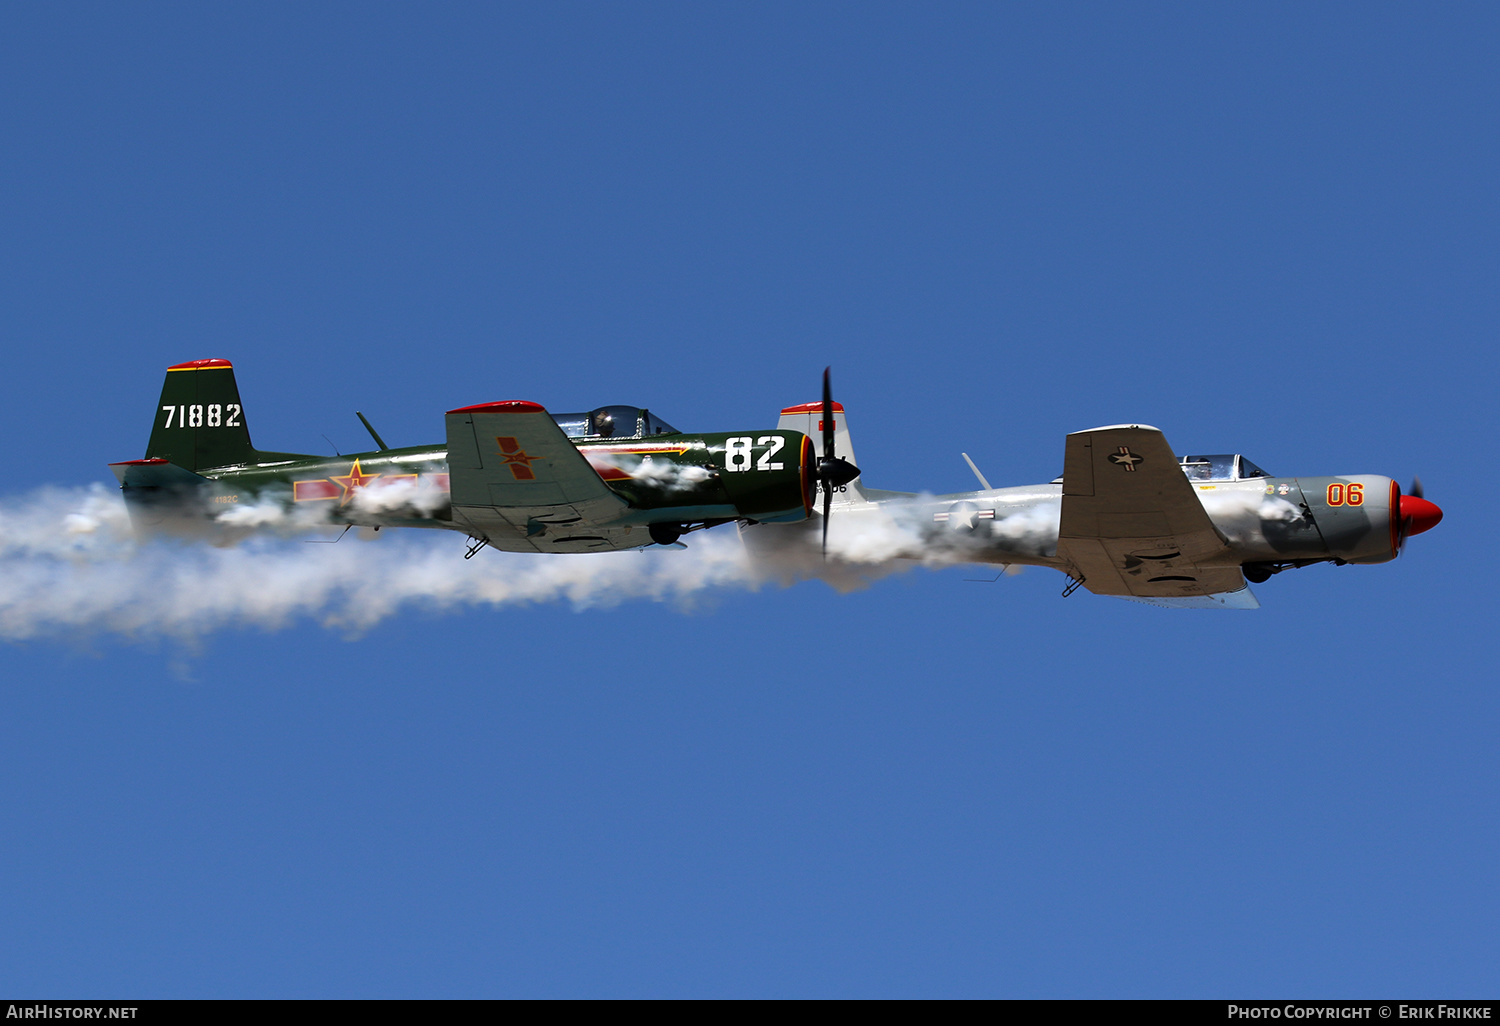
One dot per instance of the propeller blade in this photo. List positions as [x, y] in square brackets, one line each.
[1405, 521]
[1416, 513]
[827, 507]
[831, 470]
[827, 416]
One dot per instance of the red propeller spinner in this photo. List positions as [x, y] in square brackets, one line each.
[1415, 514]
[1418, 514]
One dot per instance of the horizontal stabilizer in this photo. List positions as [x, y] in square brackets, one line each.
[161, 496]
[157, 474]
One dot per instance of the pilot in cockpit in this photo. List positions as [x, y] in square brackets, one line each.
[1225, 467]
[602, 424]
[1197, 468]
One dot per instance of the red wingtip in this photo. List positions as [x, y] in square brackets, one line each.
[811, 408]
[200, 365]
[1423, 515]
[508, 406]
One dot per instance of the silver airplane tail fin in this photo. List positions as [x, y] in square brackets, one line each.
[808, 419]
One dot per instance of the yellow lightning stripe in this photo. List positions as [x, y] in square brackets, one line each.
[637, 450]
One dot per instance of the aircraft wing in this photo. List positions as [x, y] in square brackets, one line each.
[513, 471]
[1132, 524]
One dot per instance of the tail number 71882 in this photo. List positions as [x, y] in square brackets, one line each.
[198, 415]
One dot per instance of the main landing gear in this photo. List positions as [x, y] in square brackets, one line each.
[667, 534]
[1260, 573]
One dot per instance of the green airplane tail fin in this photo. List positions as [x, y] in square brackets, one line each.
[200, 423]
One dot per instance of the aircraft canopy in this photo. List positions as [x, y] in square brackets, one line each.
[1220, 467]
[613, 422]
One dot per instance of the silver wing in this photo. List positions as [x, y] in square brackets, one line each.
[1131, 523]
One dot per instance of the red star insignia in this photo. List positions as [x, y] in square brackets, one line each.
[352, 482]
[516, 459]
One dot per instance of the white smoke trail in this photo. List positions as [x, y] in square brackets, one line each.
[867, 541]
[421, 496]
[71, 565]
[670, 476]
[1030, 528]
[416, 497]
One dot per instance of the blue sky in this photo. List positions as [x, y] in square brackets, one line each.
[1267, 229]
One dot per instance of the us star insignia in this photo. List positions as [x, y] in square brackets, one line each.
[1125, 458]
[963, 515]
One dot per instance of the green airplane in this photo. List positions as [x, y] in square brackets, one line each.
[511, 475]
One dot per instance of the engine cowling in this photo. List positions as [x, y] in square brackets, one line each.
[1358, 516]
[766, 475]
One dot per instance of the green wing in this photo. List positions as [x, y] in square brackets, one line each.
[511, 469]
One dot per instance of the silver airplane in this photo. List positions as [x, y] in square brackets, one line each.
[1128, 517]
